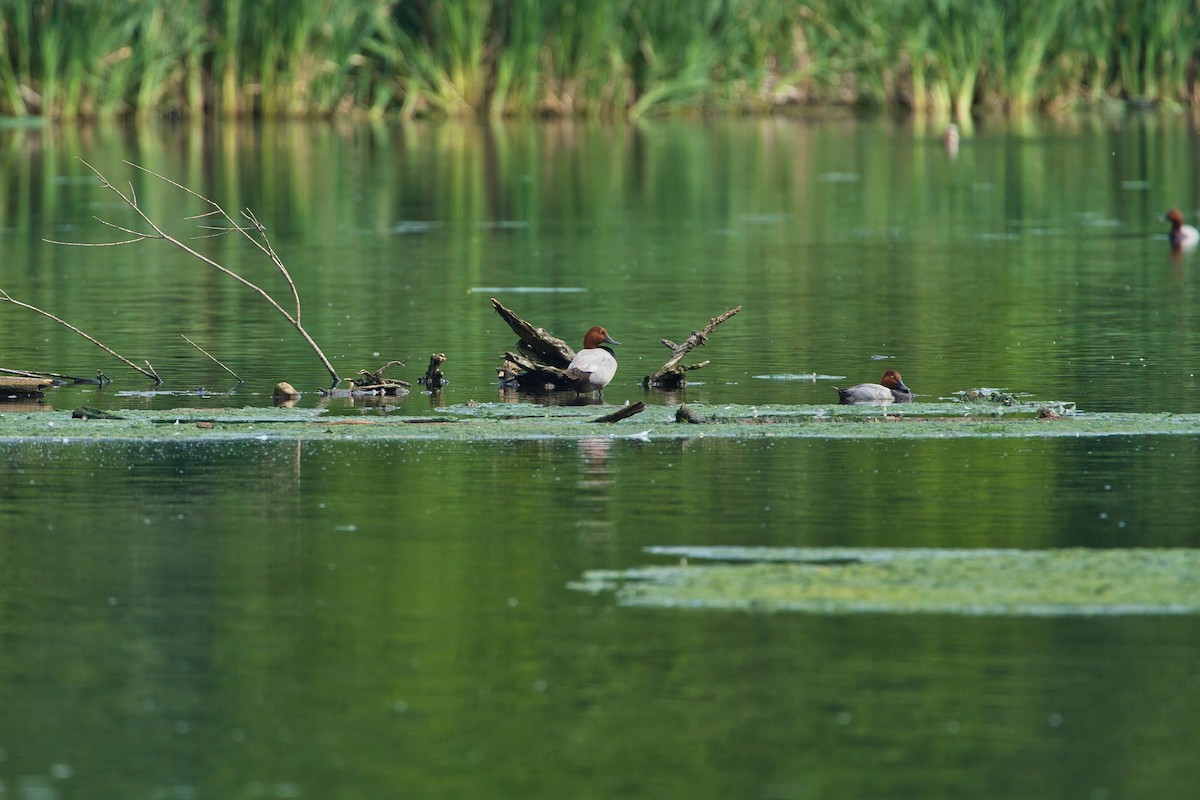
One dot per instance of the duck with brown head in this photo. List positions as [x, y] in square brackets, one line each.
[890, 389]
[1181, 236]
[595, 365]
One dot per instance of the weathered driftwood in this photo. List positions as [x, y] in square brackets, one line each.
[18, 386]
[56, 377]
[672, 374]
[434, 379]
[623, 412]
[540, 359]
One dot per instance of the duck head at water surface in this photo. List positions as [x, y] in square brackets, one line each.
[1181, 236]
[890, 389]
[595, 365]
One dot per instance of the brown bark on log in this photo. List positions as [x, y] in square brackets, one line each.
[536, 341]
[672, 375]
[542, 357]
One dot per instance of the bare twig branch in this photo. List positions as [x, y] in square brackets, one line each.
[257, 237]
[7, 298]
[671, 374]
[97, 244]
[214, 359]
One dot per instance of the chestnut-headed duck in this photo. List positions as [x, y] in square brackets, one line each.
[1182, 237]
[593, 366]
[890, 389]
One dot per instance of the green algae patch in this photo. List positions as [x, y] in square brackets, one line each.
[527, 421]
[1063, 582]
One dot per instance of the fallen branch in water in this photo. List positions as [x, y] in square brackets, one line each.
[149, 372]
[623, 412]
[254, 232]
[56, 377]
[214, 359]
[671, 375]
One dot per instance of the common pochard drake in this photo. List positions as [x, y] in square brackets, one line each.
[1182, 237]
[595, 365]
[890, 389]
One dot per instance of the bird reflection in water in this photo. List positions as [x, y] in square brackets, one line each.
[593, 489]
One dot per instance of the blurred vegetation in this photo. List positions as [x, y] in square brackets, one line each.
[278, 58]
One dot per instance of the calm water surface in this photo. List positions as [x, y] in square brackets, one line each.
[339, 619]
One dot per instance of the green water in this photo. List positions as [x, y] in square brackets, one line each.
[356, 617]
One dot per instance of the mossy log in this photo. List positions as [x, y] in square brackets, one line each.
[672, 375]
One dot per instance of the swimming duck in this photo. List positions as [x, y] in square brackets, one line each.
[890, 389]
[593, 366]
[1182, 237]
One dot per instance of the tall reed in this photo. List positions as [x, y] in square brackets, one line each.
[281, 58]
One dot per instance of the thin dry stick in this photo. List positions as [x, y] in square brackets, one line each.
[214, 359]
[150, 373]
[258, 238]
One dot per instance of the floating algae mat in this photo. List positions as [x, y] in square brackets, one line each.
[978, 582]
[524, 421]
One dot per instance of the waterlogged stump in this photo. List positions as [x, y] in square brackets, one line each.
[540, 358]
[673, 374]
[434, 379]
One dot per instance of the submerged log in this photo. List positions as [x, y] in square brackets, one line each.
[672, 374]
[18, 386]
[54, 377]
[540, 359]
[434, 378]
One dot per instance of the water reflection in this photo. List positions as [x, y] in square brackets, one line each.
[592, 508]
[508, 394]
[353, 618]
